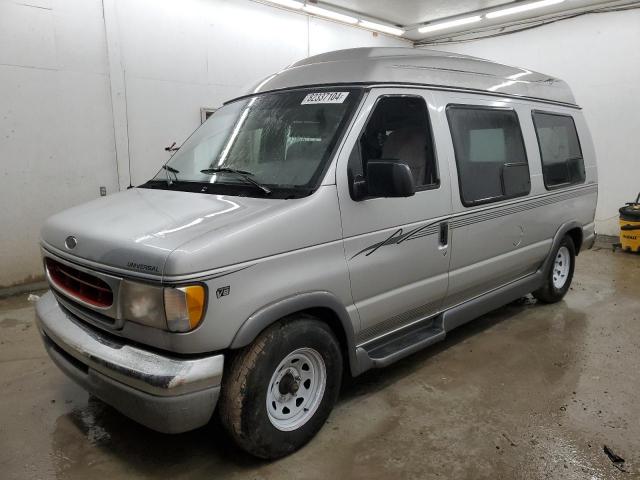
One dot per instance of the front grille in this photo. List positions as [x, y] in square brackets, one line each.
[79, 285]
[81, 312]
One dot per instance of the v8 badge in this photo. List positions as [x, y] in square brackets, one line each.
[223, 291]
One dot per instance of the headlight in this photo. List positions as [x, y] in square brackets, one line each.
[177, 309]
[142, 303]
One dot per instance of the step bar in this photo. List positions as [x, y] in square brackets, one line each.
[406, 341]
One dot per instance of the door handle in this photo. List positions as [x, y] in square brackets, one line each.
[443, 237]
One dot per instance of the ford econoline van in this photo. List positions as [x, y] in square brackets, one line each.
[346, 212]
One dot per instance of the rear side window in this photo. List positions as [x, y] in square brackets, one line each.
[562, 162]
[490, 154]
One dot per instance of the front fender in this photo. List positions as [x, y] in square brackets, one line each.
[273, 312]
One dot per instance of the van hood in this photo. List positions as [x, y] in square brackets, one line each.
[139, 229]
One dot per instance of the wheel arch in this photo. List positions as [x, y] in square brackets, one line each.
[323, 305]
[574, 230]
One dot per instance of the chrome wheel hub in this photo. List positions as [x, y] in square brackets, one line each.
[296, 389]
[561, 267]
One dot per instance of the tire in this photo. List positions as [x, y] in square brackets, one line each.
[560, 275]
[259, 402]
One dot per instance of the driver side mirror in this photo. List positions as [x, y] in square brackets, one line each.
[385, 178]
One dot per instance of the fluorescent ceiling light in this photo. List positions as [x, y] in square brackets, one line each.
[452, 23]
[522, 8]
[381, 28]
[312, 9]
[289, 4]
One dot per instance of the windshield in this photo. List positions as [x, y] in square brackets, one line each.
[263, 145]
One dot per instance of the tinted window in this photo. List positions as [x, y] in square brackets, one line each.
[490, 154]
[398, 129]
[562, 162]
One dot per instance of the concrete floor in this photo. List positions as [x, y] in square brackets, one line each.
[529, 391]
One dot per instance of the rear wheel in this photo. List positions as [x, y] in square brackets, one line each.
[279, 391]
[559, 278]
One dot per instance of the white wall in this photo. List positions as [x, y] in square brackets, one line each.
[57, 137]
[599, 56]
[56, 134]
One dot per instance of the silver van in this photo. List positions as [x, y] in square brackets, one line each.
[346, 212]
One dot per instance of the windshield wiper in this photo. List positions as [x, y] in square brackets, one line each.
[175, 172]
[240, 173]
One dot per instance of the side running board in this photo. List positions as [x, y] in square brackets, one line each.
[403, 343]
[390, 348]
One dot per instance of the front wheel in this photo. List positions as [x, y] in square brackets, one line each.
[559, 278]
[279, 391]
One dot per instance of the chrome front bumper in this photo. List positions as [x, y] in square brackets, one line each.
[165, 393]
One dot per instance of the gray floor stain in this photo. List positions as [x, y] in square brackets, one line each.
[11, 323]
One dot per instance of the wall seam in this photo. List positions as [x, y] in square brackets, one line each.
[113, 117]
[117, 84]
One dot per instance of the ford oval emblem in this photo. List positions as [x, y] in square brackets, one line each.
[71, 242]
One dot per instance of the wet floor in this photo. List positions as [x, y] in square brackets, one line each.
[529, 391]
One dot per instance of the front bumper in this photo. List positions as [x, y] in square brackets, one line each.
[165, 393]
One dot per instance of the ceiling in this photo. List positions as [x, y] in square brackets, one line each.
[412, 12]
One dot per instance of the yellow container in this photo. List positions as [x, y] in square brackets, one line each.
[630, 226]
